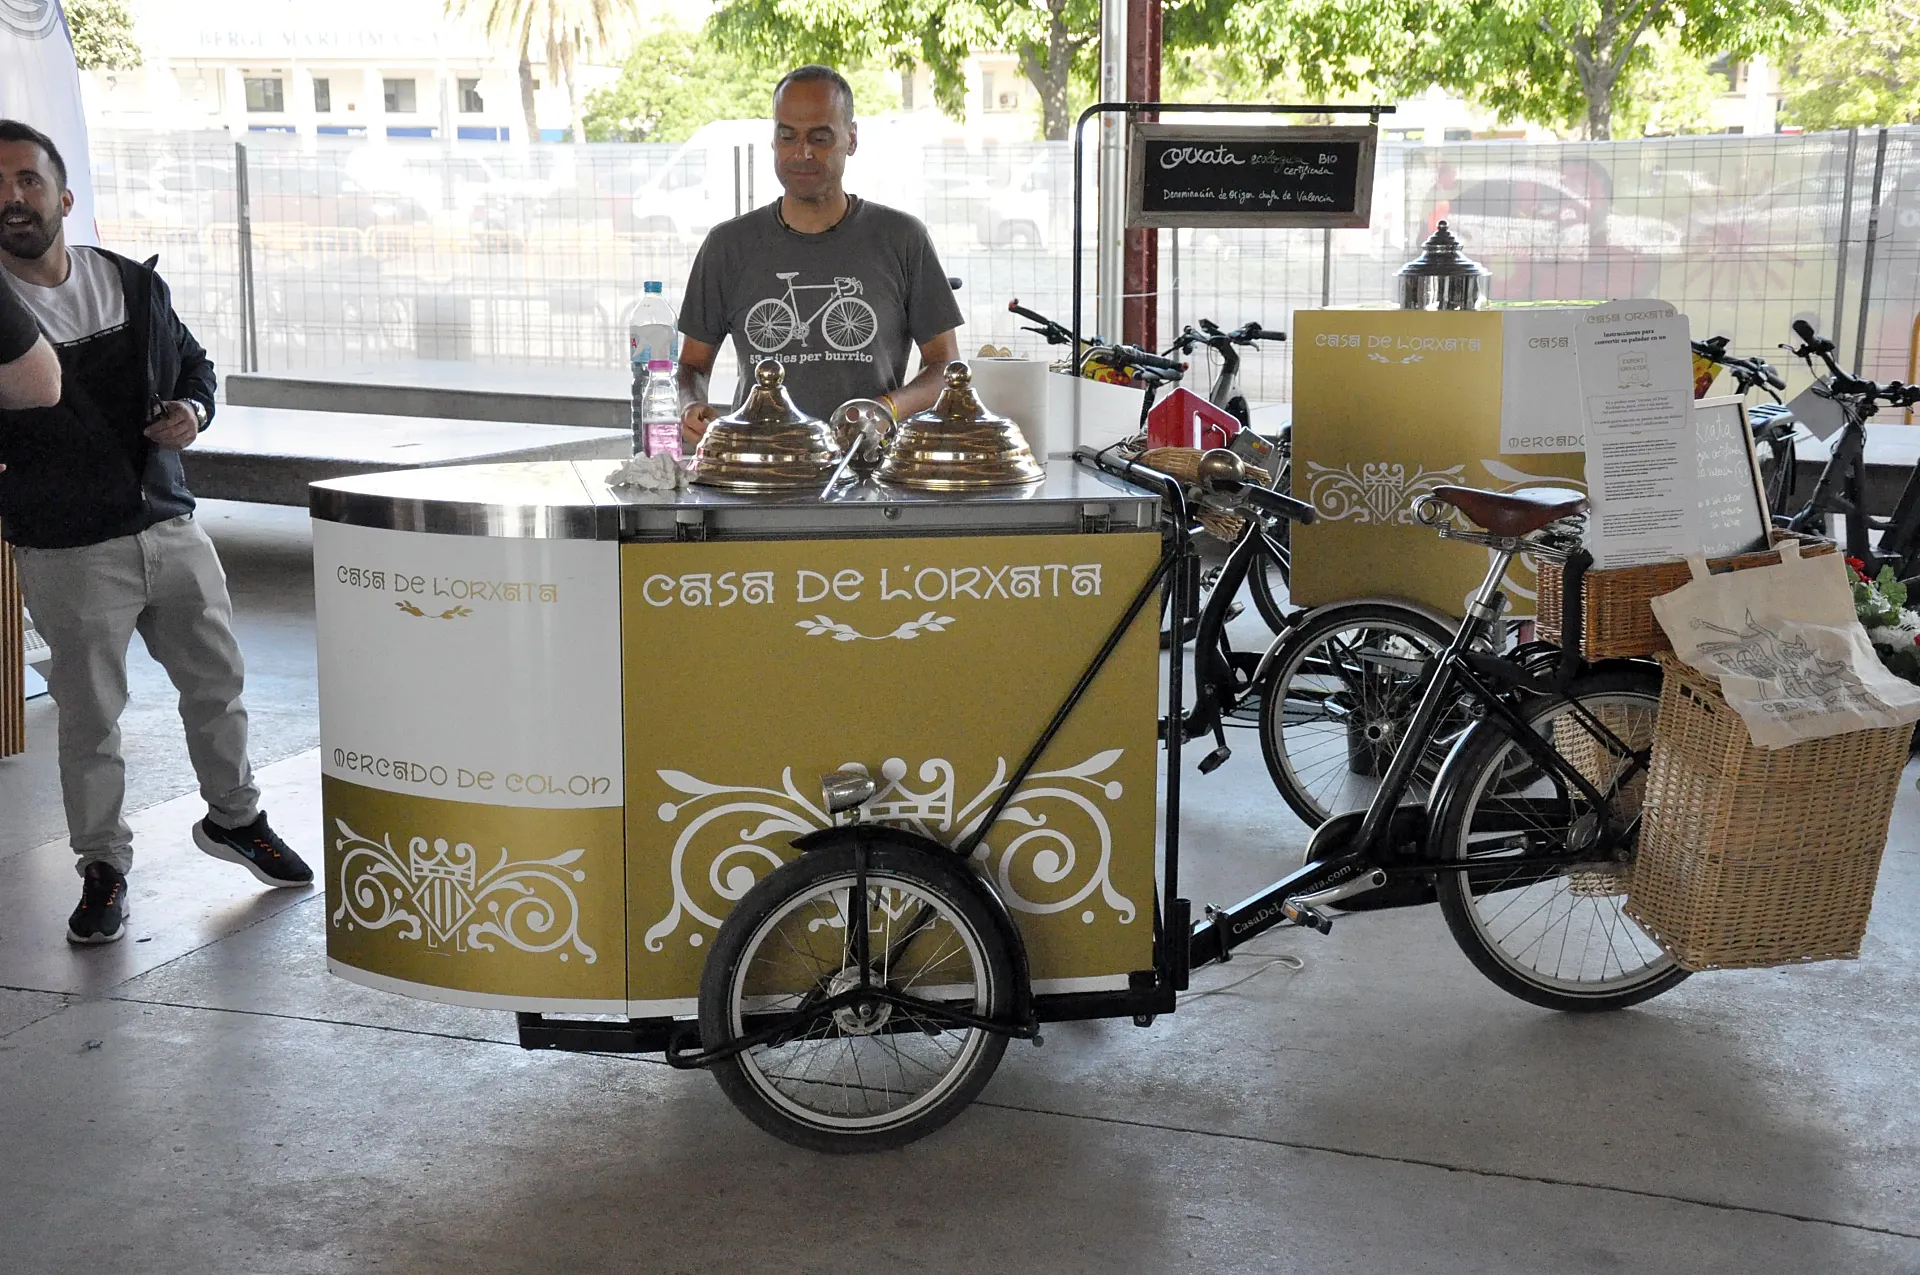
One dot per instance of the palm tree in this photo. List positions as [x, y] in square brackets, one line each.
[567, 28]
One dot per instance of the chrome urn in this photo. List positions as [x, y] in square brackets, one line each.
[958, 444]
[769, 444]
[1443, 277]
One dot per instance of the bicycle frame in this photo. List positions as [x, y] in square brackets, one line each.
[1345, 860]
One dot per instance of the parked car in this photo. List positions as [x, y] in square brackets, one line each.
[1540, 211]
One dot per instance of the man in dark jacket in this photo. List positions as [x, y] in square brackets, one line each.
[95, 503]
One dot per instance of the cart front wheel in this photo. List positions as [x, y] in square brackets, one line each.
[851, 1071]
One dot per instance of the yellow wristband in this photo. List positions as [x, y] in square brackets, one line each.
[886, 400]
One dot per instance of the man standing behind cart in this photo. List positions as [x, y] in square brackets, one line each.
[832, 285]
[95, 502]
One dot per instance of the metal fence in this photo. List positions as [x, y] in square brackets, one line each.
[288, 253]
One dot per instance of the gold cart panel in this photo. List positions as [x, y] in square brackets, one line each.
[752, 668]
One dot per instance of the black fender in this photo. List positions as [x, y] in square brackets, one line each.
[1446, 784]
[873, 834]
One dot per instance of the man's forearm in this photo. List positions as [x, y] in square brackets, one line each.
[918, 394]
[692, 384]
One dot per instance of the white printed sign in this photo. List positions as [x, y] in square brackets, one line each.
[1636, 388]
[470, 668]
[1540, 408]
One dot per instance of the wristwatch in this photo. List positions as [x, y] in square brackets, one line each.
[199, 411]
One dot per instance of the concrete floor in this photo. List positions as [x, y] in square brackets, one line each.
[204, 1097]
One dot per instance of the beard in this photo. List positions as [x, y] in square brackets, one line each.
[28, 242]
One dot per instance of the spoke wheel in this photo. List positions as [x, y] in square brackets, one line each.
[1555, 937]
[770, 325]
[1336, 703]
[870, 1075]
[848, 324]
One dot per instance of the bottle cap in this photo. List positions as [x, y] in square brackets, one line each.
[659, 365]
[653, 285]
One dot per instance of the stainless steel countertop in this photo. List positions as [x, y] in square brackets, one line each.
[563, 500]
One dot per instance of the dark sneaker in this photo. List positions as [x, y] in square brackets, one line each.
[257, 848]
[102, 914]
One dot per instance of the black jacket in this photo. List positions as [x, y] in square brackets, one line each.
[64, 492]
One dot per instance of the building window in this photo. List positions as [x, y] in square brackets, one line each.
[400, 99]
[471, 103]
[322, 96]
[1001, 90]
[264, 94]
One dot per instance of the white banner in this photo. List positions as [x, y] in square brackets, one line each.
[40, 86]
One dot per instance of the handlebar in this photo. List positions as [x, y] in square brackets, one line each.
[1142, 358]
[1211, 334]
[1053, 332]
[1840, 384]
[1276, 505]
[1747, 372]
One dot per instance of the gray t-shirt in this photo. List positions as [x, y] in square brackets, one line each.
[842, 310]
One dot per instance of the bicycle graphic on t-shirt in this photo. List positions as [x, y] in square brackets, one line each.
[846, 322]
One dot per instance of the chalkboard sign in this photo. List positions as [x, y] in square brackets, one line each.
[1193, 175]
[1733, 504]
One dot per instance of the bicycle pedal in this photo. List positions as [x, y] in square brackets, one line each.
[1215, 759]
[1306, 917]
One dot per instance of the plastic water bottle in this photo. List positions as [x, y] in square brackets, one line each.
[650, 336]
[650, 330]
[660, 410]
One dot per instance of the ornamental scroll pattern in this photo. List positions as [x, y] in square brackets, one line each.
[437, 891]
[1053, 853]
[1382, 492]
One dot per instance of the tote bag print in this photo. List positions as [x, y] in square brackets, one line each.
[1791, 658]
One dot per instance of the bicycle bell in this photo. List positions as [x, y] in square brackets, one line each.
[957, 444]
[1443, 277]
[768, 444]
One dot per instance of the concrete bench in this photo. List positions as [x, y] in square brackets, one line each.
[596, 397]
[268, 455]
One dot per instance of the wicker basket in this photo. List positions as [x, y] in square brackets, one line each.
[1617, 620]
[1751, 856]
[1184, 463]
[1600, 766]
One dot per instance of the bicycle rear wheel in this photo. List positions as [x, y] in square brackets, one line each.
[1556, 937]
[1337, 700]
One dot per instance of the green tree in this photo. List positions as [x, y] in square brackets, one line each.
[1056, 41]
[677, 80]
[1864, 72]
[1667, 89]
[567, 29]
[102, 35]
[1561, 63]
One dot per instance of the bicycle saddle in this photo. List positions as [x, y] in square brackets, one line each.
[1513, 513]
[787, 274]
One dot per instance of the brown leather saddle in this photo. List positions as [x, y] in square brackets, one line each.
[1513, 513]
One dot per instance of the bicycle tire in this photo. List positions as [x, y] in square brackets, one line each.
[778, 901]
[1307, 782]
[1498, 918]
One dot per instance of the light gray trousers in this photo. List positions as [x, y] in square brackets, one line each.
[166, 584]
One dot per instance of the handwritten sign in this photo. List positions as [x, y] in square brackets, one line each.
[1194, 175]
[1733, 510]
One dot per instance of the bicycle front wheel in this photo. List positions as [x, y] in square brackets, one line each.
[870, 1075]
[1272, 573]
[1336, 703]
[1556, 937]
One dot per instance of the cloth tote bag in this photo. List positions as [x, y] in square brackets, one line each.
[1784, 642]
